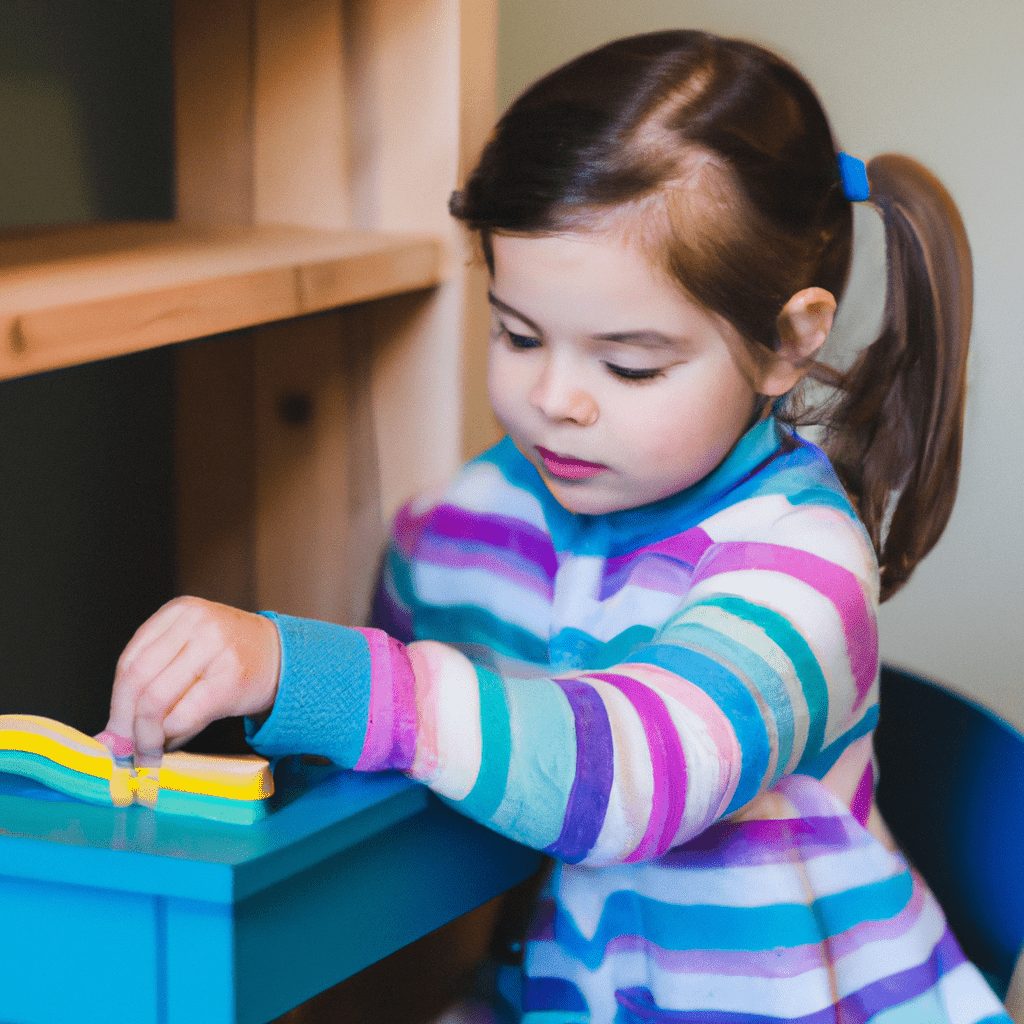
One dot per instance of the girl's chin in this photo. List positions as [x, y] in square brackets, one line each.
[585, 497]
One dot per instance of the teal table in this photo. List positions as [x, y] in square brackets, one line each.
[130, 915]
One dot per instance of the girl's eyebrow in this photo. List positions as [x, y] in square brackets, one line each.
[645, 339]
[505, 308]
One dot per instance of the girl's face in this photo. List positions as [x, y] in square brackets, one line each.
[614, 384]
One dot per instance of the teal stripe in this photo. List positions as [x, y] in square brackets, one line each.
[462, 625]
[487, 793]
[55, 776]
[400, 571]
[748, 663]
[812, 680]
[554, 1017]
[818, 766]
[213, 808]
[575, 649]
[542, 773]
[713, 927]
[819, 495]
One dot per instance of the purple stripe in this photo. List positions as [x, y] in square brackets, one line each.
[542, 925]
[526, 575]
[835, 583]
[856, 1008]
[595, 766]
[391, 616]
[658, 574]
[668, 767]
[684, 549]
[811, 797]
[749, 843]
[505, 533]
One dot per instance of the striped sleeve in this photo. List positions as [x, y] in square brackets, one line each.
[769, 660]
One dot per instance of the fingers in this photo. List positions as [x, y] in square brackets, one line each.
[159, 663]
[190, 663]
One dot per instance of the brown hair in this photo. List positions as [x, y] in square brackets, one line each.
[718, 156]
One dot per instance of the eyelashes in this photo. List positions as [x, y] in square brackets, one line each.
[525, 342]
[632, 374]
[520, 341]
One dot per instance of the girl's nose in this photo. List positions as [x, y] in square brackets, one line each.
[558, 396]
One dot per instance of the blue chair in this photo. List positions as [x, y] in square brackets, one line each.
[951, 789]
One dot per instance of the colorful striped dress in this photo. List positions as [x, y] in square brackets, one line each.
[676, 702]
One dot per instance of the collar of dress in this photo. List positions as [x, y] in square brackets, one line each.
[618, 532]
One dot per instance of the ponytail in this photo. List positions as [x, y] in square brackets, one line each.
[895, 429]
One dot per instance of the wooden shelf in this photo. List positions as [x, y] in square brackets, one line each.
[74, 294]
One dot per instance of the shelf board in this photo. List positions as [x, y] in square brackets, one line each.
[74, 294]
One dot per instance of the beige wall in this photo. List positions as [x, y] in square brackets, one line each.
[943, 81]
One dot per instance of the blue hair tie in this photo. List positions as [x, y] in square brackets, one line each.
[854, 176]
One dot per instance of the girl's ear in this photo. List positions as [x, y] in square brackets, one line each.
[803, 326]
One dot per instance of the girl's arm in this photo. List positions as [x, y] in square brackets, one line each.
[768, 667]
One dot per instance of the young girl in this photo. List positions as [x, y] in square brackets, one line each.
[639, 633]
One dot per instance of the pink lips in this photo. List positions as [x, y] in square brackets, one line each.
[569, 469]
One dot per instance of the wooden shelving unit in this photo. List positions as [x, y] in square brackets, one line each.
[317, 143]
[76, 294]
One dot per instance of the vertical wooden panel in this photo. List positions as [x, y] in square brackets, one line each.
[213, 117]
[317, 510]
[215, 475]
[478, 84]
[300, 114]
[413, 74]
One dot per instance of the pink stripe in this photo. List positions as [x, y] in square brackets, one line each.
[832, 581]
[390, 740]
[668, 766]
[860, 805]
[714, 721]
[408, 529]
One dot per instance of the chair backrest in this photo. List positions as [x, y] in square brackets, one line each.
[951, 788]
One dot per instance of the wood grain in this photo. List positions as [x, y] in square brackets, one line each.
[72, 295]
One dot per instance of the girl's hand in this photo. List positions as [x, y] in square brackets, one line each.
[192, 662]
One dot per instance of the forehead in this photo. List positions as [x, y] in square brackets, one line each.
[593, 283]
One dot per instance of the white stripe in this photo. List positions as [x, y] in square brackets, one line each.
[482, 487]
[630, 606]
[748, 885]
[711, 773]
[753, 519]
[629, 802]
[448, 704]
[967, 995]
[443, 586]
